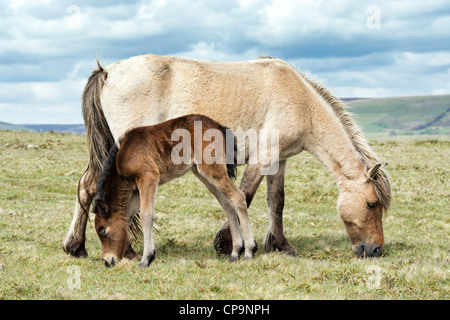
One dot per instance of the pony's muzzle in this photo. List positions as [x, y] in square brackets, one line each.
[364, 250]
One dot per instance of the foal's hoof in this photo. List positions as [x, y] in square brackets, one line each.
[146, 262]
[234, 258]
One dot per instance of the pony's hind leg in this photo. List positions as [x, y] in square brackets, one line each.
[74, 242]
[249, 185]
[232, 200]
[275, 238]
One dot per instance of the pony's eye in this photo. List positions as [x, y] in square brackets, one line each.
[371, 205]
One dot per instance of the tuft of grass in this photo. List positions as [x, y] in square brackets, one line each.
[38, 195]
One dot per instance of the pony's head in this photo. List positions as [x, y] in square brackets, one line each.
[360, 205]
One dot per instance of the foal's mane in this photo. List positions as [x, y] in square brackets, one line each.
[105, 173]
[381, 181]
[122, 191]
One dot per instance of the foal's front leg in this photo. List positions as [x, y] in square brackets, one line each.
[147, 190]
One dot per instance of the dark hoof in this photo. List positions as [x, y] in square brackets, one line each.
[255, 248]
[273, 244]
[223, 242]
[292, 253]
[146, 263]
[234, 259]
[75, 249]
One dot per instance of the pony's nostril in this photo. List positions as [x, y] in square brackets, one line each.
[377, 251]
[360, 250]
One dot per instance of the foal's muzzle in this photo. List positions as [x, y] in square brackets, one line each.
[364, 250]
[110, 263]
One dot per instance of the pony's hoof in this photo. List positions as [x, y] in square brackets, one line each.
[274, 244]
[234, 258]
[143, 265]
[223, 242]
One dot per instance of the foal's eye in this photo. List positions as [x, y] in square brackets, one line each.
[102, 231]
[371, 205]
[349, 224]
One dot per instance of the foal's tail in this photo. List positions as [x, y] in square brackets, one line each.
[99, 137]
[231, 151]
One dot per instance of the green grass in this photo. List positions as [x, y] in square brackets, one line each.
[38, 178]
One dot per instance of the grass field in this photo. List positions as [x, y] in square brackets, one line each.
[38, 177]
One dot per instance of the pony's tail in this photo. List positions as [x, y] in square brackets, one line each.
[230, 151]
[99, 136]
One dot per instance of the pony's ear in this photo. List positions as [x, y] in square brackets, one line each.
[101, 208]
[374, 171]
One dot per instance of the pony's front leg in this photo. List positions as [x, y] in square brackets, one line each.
[147, 190]
[275, 238]
[74, 242]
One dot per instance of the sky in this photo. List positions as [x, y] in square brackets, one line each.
[356, 48]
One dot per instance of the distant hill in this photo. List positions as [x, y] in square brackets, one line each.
[403, 115]
[13, 127]
[71, 128]
[377, 117]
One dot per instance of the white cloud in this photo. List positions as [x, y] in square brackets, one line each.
[211, 51]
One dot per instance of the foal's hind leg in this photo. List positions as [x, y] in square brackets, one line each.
[74, 242]
[233, 202]
[275, 238]
[147, 190]
[249, 185]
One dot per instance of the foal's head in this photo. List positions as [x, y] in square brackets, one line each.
[112, 228]
[361, 204]
[110, 207]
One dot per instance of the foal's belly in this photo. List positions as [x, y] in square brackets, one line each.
[174, 173]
